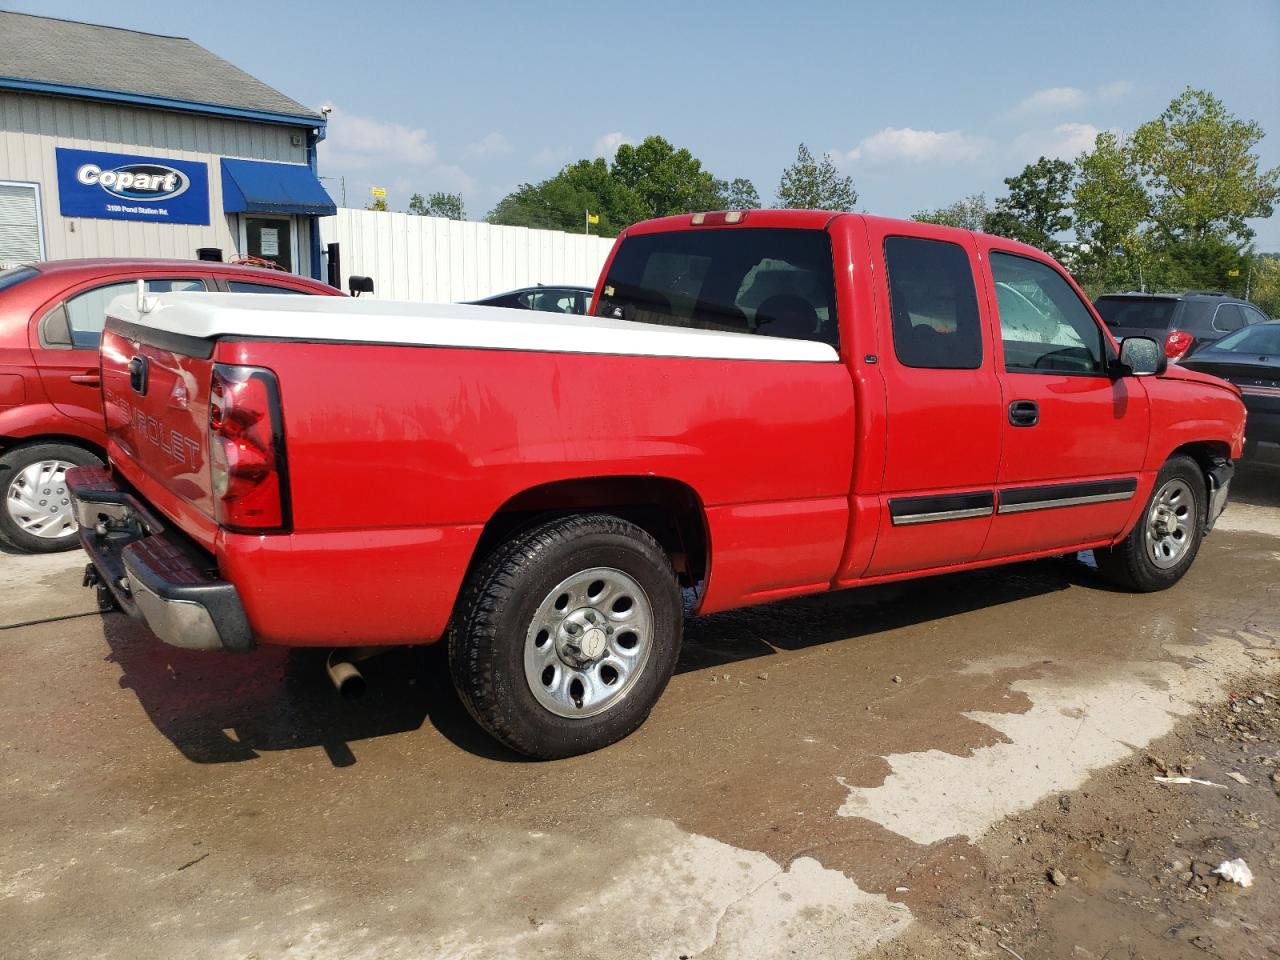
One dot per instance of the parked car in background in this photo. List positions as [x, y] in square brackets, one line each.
[1249, 358]
[1181, 321]
[549, 299]
[51, 317]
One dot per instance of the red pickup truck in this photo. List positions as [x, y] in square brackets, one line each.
[761, 405]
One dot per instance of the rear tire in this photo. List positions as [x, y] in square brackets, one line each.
[1164, 542]
[567, 635]
[36, 515]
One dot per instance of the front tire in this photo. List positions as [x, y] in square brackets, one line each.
[36, 515]
[1161, 547]
[567, 635]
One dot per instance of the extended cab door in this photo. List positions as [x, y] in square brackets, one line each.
[1074, 437]
[64, 337]
[942, 399]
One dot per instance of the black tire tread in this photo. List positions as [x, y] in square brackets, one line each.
[474, 635]
[1126, 564]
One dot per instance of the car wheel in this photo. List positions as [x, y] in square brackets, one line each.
[567, 636]
[37, 515]
[1163, 544]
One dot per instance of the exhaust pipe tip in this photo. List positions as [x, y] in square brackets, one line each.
[345, 677]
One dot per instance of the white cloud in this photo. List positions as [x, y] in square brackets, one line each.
[490, 145]
[1051, 100]
[905, 145]
[1066, 140]
[1116, 90]
[358, 143]
[550, 157]
[607, 145]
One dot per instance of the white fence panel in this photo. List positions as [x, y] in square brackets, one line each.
[442, 261]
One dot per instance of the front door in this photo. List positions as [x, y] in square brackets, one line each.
[1074, 437]
[270, 238]
[942, 399]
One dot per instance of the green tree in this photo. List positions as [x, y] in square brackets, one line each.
[447, 205]
[561, 202]
[1263, 283]
[1200, 169]
[1037, 207]
[379, 204]
[809, 184]
[971, 213]
[666, 180]
[1111, 206]
[737, 194]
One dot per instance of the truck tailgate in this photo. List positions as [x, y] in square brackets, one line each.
[155, 389]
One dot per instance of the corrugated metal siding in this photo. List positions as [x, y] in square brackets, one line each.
[443, 261]
[32, 125]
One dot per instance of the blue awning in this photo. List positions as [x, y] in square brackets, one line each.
[289, 188]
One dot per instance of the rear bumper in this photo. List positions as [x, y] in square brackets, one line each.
[155, 575]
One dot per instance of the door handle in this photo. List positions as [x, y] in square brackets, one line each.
[1024, 413]
[86, 379]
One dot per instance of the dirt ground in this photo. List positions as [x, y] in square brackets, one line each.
[1123, 868]
[891, 772]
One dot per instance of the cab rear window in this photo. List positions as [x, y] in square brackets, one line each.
[770, 282]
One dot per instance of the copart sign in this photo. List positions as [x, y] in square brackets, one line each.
[116, 186]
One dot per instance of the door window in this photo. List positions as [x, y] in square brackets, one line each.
[1253, 314]
[934, 304]
[87, 312]
[552, 301]
[1045, 327]
[241, 286]
[269, 239]
[1228, 318]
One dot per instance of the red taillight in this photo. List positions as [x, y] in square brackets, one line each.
[1177, 344]
[246, 448]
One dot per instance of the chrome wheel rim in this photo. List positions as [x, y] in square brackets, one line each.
[38, 502]
[588, 642]
[1171, 523]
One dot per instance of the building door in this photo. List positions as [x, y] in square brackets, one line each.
[270, 238]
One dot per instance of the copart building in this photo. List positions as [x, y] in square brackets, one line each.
[115, 143]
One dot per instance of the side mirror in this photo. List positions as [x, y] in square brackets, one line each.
[358, 285]
[1141, 357]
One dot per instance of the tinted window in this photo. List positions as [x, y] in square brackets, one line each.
[934, 304]
[776, 283]
[1255, 339]
[1136, 311]
[1044, 325]
[240, 286]
[1253, 314]
[553, 301]
[10, 278]
[1228, 318]
[87, 312]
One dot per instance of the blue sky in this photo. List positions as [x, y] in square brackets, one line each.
[921, 103]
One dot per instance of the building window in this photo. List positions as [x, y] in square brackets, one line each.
[21, 237]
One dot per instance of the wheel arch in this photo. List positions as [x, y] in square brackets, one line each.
[9, 444]
[669, 510]
[1206, 453]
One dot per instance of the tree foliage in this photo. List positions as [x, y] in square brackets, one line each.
[1038, 205]
[737, 194]
[447, 205]
[650, 179]
[1111, 205]
[378, 204]
[1200, 170]
[971, 213]
[810, 184]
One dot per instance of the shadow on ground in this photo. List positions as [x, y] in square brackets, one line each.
[220, 708]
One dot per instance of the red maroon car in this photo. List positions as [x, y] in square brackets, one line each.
[51, 317]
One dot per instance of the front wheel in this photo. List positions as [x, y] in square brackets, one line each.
[1162, 545]
[567, 636]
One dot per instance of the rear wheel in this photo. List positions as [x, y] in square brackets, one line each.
[1163, 544]
[37, 515]
[567, 636]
